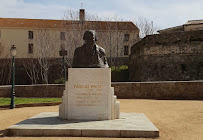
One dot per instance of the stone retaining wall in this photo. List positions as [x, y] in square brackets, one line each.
[51, 90]
[128, 90]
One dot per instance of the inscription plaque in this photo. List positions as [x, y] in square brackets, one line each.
[88, 95]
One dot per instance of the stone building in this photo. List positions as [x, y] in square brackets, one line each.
[40, 40]
[168, 57]
[32, 36]
[191, 25]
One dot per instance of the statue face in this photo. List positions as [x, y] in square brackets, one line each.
[90, 37]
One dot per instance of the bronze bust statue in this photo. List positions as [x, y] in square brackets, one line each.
[90, 55]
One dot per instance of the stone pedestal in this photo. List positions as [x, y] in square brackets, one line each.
[87, 99]
[88, 95]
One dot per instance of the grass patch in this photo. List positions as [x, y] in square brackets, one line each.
[7, 101]
[60, 81]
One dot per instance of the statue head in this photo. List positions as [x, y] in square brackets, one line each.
[93, 56]
[90, 36]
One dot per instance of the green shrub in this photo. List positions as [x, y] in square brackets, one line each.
[60, 81]
[119, 74]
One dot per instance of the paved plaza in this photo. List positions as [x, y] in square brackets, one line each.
[175, 119]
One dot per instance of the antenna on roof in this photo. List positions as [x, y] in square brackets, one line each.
[81, 5]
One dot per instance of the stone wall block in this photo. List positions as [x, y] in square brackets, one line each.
[132, 90]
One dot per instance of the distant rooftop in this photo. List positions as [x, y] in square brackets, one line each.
[181, 27]
[194, 22]
[68, 24]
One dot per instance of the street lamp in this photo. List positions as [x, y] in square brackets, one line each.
[63, 53]
[13, 54]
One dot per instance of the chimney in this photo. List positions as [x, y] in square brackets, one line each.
[82, 15]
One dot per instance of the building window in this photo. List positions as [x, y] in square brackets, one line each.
[62, 46]
[30, 34]
[126, 37]
[126, 50]
[30, 48]
[62, 36]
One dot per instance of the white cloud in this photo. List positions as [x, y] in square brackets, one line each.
[20, 9]
[166, 13]
[104, 15]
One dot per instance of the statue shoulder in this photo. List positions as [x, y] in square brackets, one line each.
[78, 49]
[101, 50]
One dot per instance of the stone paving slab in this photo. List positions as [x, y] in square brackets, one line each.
[49, 124]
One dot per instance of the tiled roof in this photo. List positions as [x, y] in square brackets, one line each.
[172, 29]
[194, 22]
[181, 27]
[45, 23]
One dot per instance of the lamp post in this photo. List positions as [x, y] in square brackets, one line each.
[13, 54]
[63, 53]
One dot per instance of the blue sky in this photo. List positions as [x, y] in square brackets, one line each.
[164, 13]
